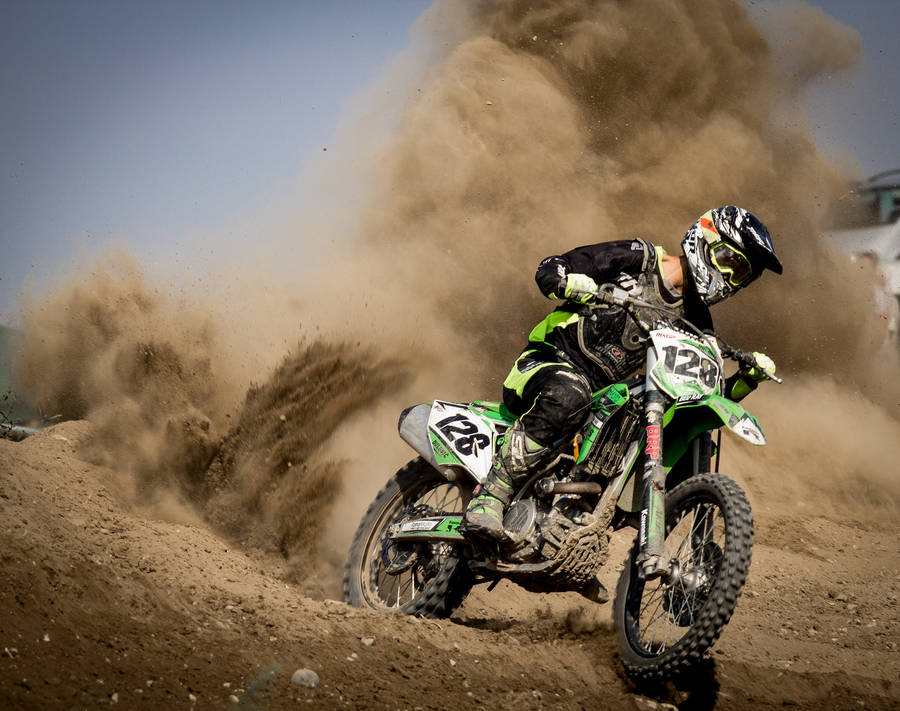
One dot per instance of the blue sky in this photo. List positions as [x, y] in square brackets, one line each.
[156, 124]
[146, 122]
[859, 112]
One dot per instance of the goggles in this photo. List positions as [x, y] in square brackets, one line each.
[732, 264]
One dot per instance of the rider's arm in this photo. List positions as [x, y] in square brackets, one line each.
[739, 386]
[601, 262]
[745, 381]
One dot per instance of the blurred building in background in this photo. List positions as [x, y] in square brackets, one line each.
[865, 225]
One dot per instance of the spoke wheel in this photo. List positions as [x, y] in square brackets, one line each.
[427, 579]
[667, 624]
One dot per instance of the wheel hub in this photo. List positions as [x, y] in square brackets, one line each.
[688, 581]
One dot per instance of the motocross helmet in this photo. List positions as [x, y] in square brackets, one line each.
[726, 249]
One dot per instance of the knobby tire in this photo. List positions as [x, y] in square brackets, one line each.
[707, 610]
[444, 590]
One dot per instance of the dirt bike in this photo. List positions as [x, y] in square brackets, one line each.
[640, 459]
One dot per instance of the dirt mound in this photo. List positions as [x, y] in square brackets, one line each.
[102, 603]
[156, 382]
[271, 484]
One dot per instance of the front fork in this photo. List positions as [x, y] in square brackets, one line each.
[652, 530]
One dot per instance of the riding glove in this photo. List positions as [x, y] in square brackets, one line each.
[578, 287]
[765, 364]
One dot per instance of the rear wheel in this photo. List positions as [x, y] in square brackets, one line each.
[426, 579]
[666, 625]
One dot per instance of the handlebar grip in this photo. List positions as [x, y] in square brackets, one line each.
[749, 360]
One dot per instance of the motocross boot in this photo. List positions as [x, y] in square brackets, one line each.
[519, 455]
[484, 514]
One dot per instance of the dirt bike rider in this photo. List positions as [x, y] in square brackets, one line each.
[578, 349]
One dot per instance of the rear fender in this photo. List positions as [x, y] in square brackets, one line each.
[457, 439]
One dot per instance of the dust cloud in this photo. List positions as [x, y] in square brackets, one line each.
[532, 128]
[109, 347]
[830, 452]
[563, 123]
[173, 414]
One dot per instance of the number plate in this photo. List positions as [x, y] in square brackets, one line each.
[469, 438]
[685, 367]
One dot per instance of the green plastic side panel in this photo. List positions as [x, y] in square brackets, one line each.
[496, 411]
[616, 394]
[441, 454]
[605, 403]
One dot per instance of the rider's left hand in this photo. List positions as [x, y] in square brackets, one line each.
[765, 364]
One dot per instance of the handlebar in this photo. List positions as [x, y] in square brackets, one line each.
[745, 358]
[748, 360]
[611, 299]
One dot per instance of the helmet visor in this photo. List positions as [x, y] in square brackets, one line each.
[732, 264]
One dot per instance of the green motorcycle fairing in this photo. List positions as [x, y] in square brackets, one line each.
[461, 436]
[604, 404]
[683, 422]
[686, 419]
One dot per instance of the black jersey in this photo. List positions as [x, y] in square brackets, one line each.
[604, 341]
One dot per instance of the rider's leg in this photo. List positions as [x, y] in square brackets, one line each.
[559, 398]
[518, 455]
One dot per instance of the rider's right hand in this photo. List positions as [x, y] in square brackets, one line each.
[578, 287]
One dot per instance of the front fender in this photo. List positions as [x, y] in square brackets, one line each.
[683, 422]
[687, 419]
[731, 414]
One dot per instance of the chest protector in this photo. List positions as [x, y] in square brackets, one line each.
[609, 337]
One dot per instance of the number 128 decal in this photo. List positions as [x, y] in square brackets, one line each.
[463, 433]
[470, 438]
[689, 363]
[685, 367]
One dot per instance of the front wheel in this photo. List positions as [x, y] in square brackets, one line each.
[666, 625]
[425, 579]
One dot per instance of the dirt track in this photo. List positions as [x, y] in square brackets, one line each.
[104, 604]
[537, 127]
